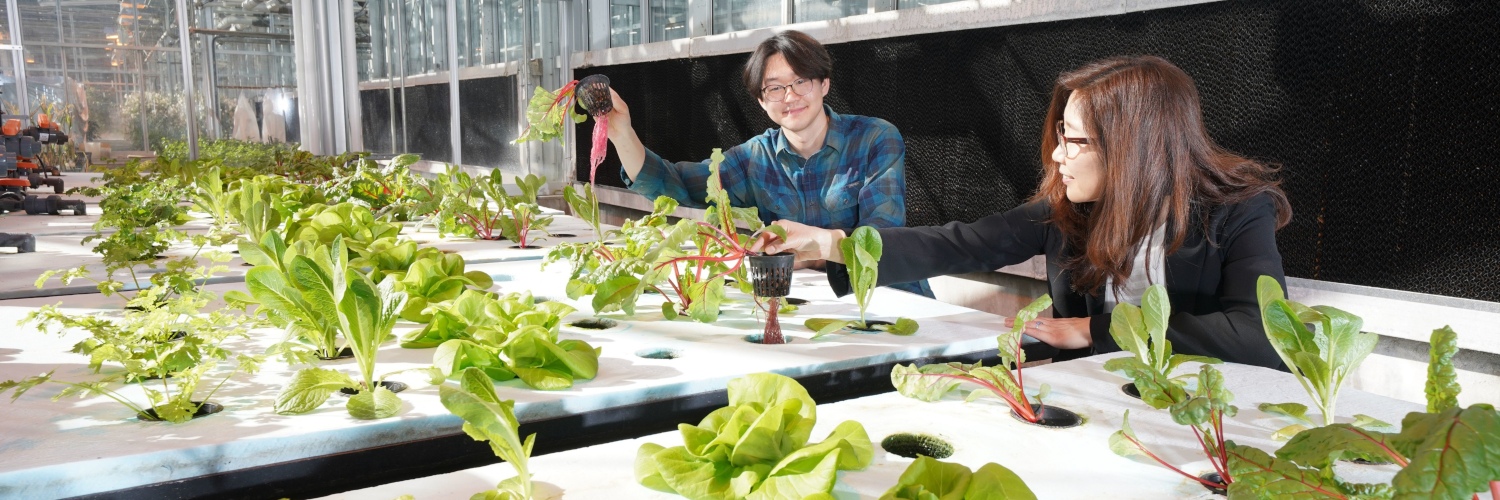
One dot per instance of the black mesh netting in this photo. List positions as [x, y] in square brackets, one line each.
[1382, 113]
[488, 121]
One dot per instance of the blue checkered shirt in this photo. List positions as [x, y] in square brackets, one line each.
[857, 179]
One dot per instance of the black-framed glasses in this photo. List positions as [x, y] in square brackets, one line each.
[1072, 146]
[777, 93]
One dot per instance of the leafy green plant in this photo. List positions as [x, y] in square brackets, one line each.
[1321, 357]
[757, 447]
[367, 313]
[210, 198]
[297, 287]
[525, 213]
[1142, 331]
[1204, 412]
[929, 479]
[436, 277]
[932, 382]
[356, 224]
[253, 206]
[469, 206]
[141, 221]
[506, 338]
[489, 418]
[389, 190]
[611, 269]
[475, 311]
[861, 252]
[168, 349]
[547, 113]
[1446, 453]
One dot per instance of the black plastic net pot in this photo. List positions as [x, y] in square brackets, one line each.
[593, 94]
[771, 278]
[771, 275]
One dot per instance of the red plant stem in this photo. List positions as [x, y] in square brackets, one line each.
[1212, 458]
[1020, 382]
[1164, 463]
[726, 258]
[1024, 411]
[1388, 451]
[772, 334]
[1495, 490]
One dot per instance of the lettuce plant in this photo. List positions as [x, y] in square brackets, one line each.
[861, 252]
[489, 418]
[929, 479]
[1321, 357]
[525, 213]
[1142, 331]
[1204, 412]
[507, 338]
[356, 224]
[757, 447]
[932, 382]
[297, 288]
[1448, 452]
[166, 348]
[436, 277]
[366, 313]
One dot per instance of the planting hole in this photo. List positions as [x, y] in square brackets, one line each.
[204, 410]
[564, 235]
[389, 385]
[344, 353]
[795, 301]
[911, 445]
[1213, 477]
[755, 338]
[500, 278]
[1052, 417]
[870, 326]
[1130, 390]
[594, 324]
[659, 353]
[525, 247]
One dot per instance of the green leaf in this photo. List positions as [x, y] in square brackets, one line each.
[1368, 422]
[862, 251]
[1295, 411]
[1320, 447]
[619, 291]
[488, 418]
[1286, 433]
[995, 482]
[309, 388]
[903, 326]
[1127, 327]
[1261, 476]
[805, 476]
[372, 405]
[1156, 309]
[928, 478]
[1123, 442]
[825, 326]
[707, 297]
[926, 383]
[1442, 379]
[1453, 454]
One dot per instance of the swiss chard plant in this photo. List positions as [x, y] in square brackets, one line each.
[757, 447]
[167, 348]
[930, 479]
[1321, 357]
[508, 338]
[366, 313]
[611, 269]
[1204, 412]
[1142, 331]
[548, 112]
[932, 382]
[1447, 452]
[471, 206]
[861, 252]
[390, 191]
[491, 419]
[525, 214]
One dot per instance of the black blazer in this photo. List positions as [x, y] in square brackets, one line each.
[1211, 283]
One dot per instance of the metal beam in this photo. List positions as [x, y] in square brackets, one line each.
[190, 113]
[17, 57]
[240, 34]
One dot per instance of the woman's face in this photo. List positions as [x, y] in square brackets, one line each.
[1083, 173]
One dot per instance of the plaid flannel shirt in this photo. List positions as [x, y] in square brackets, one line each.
[857, 179]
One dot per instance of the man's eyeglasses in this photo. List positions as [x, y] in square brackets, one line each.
[777, 93]
[1072, 146]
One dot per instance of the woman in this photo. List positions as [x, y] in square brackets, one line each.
[1134, 193]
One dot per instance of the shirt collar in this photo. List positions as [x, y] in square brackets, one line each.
[835, 138]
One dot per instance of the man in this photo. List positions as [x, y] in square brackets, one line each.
[819, 168]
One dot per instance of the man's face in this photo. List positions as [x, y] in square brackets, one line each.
[790, 110]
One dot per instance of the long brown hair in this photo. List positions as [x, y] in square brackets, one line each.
[1143, 115]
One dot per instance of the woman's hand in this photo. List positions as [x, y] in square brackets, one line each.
[809, 243]
[619, 118]
[1062, 333]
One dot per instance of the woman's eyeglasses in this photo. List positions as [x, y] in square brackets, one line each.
[1072, 146]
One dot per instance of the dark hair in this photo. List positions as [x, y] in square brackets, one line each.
[1145, 118]
[806, 56]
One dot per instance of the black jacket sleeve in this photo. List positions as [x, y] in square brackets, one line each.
[990, 243]
[1223, 320]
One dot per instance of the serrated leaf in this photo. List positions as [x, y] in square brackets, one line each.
[1442, 379]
